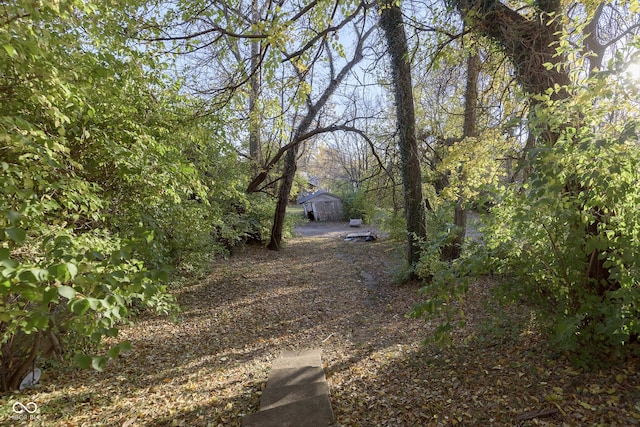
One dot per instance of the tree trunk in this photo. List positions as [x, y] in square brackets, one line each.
[529, 43]
[291, 156]
[392, 24]
[255, 148]
[290, 167]
[454, 249]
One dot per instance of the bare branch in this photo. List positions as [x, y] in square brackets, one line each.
[322, 34]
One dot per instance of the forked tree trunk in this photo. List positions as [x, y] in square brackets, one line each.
[291, 157]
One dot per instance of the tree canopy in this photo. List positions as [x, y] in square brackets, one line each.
[140, 140]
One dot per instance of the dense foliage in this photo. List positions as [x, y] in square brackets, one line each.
[566, 238]
[108, 179]
[569, 239]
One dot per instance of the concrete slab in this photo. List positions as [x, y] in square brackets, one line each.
[299, 353]
[296, 361]
[312, 412]
[277, 396]
[293, 376]
[361, 237]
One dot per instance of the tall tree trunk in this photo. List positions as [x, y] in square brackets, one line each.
[255, 147]
[392, 24]
[454, 249]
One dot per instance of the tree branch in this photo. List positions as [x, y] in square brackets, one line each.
[301, 134]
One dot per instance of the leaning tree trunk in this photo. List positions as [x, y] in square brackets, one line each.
[530, 43]
[290, 167]
[392, 24]
[291, 156]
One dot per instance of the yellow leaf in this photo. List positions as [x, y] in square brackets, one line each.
[585, 405]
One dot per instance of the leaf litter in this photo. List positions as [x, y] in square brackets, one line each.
[211, 367]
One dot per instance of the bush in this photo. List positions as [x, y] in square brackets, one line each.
[358, 205]
[567, 240]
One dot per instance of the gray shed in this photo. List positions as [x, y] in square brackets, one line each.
[322, 206]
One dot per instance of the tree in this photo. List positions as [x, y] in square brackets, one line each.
[414, 205]
[453, 249]
[66, 270]
[574, 257]
[301, 133]
[112, 179]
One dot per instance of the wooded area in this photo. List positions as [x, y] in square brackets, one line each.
[144, 142]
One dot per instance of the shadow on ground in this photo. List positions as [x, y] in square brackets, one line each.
[210, 369]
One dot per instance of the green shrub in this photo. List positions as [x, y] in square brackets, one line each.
[567, 239]
[358, 205]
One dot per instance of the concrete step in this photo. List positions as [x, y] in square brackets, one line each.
[311, 412]
[292, 376]
[295, 359]
[296, 394]
[277, 396]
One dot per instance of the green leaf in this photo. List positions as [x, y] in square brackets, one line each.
[33, 275]
[67, 292]
[125, 346]
[14, 217]
[16, 234]
[11, 51]
[4, 253]
[113, 352]
[59, 272]
[79, 306]
[50, 295]
[83, 361]
[112, 332]
[72, 269]
[99, 363]
[94, 303]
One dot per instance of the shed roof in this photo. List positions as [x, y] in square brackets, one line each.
[307, 197]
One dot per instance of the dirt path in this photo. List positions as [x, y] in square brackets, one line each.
[209, 369]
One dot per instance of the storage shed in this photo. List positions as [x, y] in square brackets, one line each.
[322, 206]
